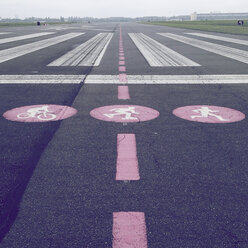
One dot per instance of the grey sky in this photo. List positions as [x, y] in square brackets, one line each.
[108, 8]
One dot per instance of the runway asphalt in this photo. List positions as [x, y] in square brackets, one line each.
[58, 185]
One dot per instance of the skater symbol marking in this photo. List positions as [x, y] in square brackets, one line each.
[127, 112]
[124, 113]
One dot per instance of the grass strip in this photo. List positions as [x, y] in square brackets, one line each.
[223, 26]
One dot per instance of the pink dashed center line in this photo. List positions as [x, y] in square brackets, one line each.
[121, 62]
[123, 92]
[127, 167]
[123, 78]
[122, 68]
[129, 230]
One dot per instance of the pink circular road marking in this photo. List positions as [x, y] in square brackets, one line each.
[40, 113]
[124, 113]
[208, 114]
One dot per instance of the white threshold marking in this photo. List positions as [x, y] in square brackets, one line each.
[89, 53]
[229, 52]
[11, 53]
[158, 54]
[221, 38]
[170, 79]
[24, 37]
[41, 79]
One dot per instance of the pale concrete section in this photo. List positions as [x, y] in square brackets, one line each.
[157, 54]
[132, 79]
[11, 53]
[89, 53]
[169, 79]
[221, 38]
[229, 52]
[23, 37]
[41, 79]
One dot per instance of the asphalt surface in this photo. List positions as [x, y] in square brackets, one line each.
[57, 182]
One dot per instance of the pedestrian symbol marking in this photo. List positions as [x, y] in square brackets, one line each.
[39, 113]
[124, 113]
[209, 114]
[206, 112]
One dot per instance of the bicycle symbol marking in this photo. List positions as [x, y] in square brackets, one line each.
[42, 113]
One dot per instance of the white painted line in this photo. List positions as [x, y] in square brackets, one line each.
[89, 53]
[229, 52]
[5, 33]
[132, 79]
[97, 29]
[170, 79]
[129, 230]
[98, 60]
[23, 37]
[41, 79]
[62, 28]
[18, 51]
[215, 37]
[102, 79]
[157, 54]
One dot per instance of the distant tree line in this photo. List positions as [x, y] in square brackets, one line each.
[75, 19]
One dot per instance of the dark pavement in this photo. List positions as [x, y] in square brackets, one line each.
[57, 183]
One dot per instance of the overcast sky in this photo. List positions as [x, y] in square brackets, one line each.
[110, 8]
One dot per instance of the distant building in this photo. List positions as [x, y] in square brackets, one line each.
[210, 16]
[193, 17]
[223, 16]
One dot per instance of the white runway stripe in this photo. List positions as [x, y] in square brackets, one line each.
[23, 37]
[89, 53]
[169, 79]
[215, 37]
[132, 79]
[225, 51]
[41, 79]
[18, 51]
[157, 54]
[5, 33]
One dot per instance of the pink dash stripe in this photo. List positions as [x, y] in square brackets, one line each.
[121, 58]
[121, 54]
[129, 230]
[121, 62]
[123, 93]
[127, 167]
[123, 78]
[122, 68]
